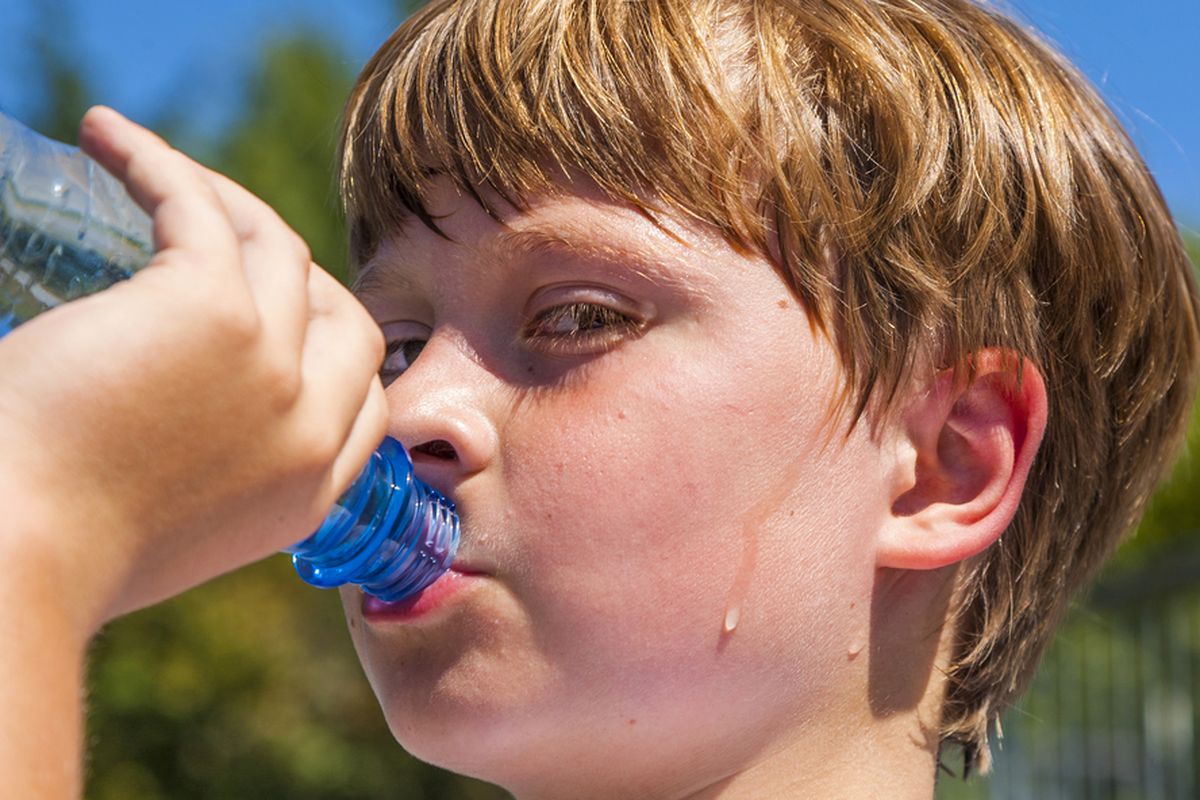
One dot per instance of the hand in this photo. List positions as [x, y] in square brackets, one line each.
[197, 417]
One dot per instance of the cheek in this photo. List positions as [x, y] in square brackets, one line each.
[651, 501]
[619, 483]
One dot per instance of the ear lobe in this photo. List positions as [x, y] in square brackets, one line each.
[966, 455]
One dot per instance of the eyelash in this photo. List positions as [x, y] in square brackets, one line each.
[598, 327]
[595, 325]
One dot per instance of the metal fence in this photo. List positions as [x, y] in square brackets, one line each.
[1114, 712]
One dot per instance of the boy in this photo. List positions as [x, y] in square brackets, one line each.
[742, 326]
[791, 365]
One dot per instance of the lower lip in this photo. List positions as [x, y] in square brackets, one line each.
[438, 595]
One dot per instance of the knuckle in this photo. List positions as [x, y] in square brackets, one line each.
[270, 232]
[318, 446]
[236, 321]
[282, 384]
[300, 249]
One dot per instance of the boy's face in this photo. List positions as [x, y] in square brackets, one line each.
[641, 457]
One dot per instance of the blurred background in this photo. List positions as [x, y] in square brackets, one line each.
[249, 688]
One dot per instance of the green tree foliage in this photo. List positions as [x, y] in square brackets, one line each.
[283, 149]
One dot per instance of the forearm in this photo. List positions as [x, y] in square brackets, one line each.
[41, 679]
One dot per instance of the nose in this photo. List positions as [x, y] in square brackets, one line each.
[439, 410]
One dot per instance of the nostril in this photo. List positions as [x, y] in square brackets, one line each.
[438, 448]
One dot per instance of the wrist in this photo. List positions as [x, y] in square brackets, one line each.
[41, 668]
[44, 577]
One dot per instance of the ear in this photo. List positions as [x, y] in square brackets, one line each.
[963, 454]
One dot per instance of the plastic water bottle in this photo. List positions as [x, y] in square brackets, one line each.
[68, 229]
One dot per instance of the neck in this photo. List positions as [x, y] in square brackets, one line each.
[888, 745]
[895, 758]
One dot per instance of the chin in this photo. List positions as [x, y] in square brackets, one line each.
[460, 708]
[483, 743]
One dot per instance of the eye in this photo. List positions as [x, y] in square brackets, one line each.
[400, 355]
[579, 327]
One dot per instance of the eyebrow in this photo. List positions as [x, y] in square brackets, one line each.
[652, 268]
[511, 245]
[377, 276]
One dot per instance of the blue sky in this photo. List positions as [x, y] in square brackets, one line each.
[1144, 56]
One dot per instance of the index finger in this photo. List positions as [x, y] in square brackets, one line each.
[186, 211]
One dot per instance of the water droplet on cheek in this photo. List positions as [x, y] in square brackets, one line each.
[733, 615]
[753, 522]
[856, 647]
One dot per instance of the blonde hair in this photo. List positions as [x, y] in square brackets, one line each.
[929, 178]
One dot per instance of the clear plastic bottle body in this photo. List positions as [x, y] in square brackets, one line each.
[69, 229]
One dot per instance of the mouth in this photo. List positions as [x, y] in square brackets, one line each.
[465, 568]
[434, 601]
